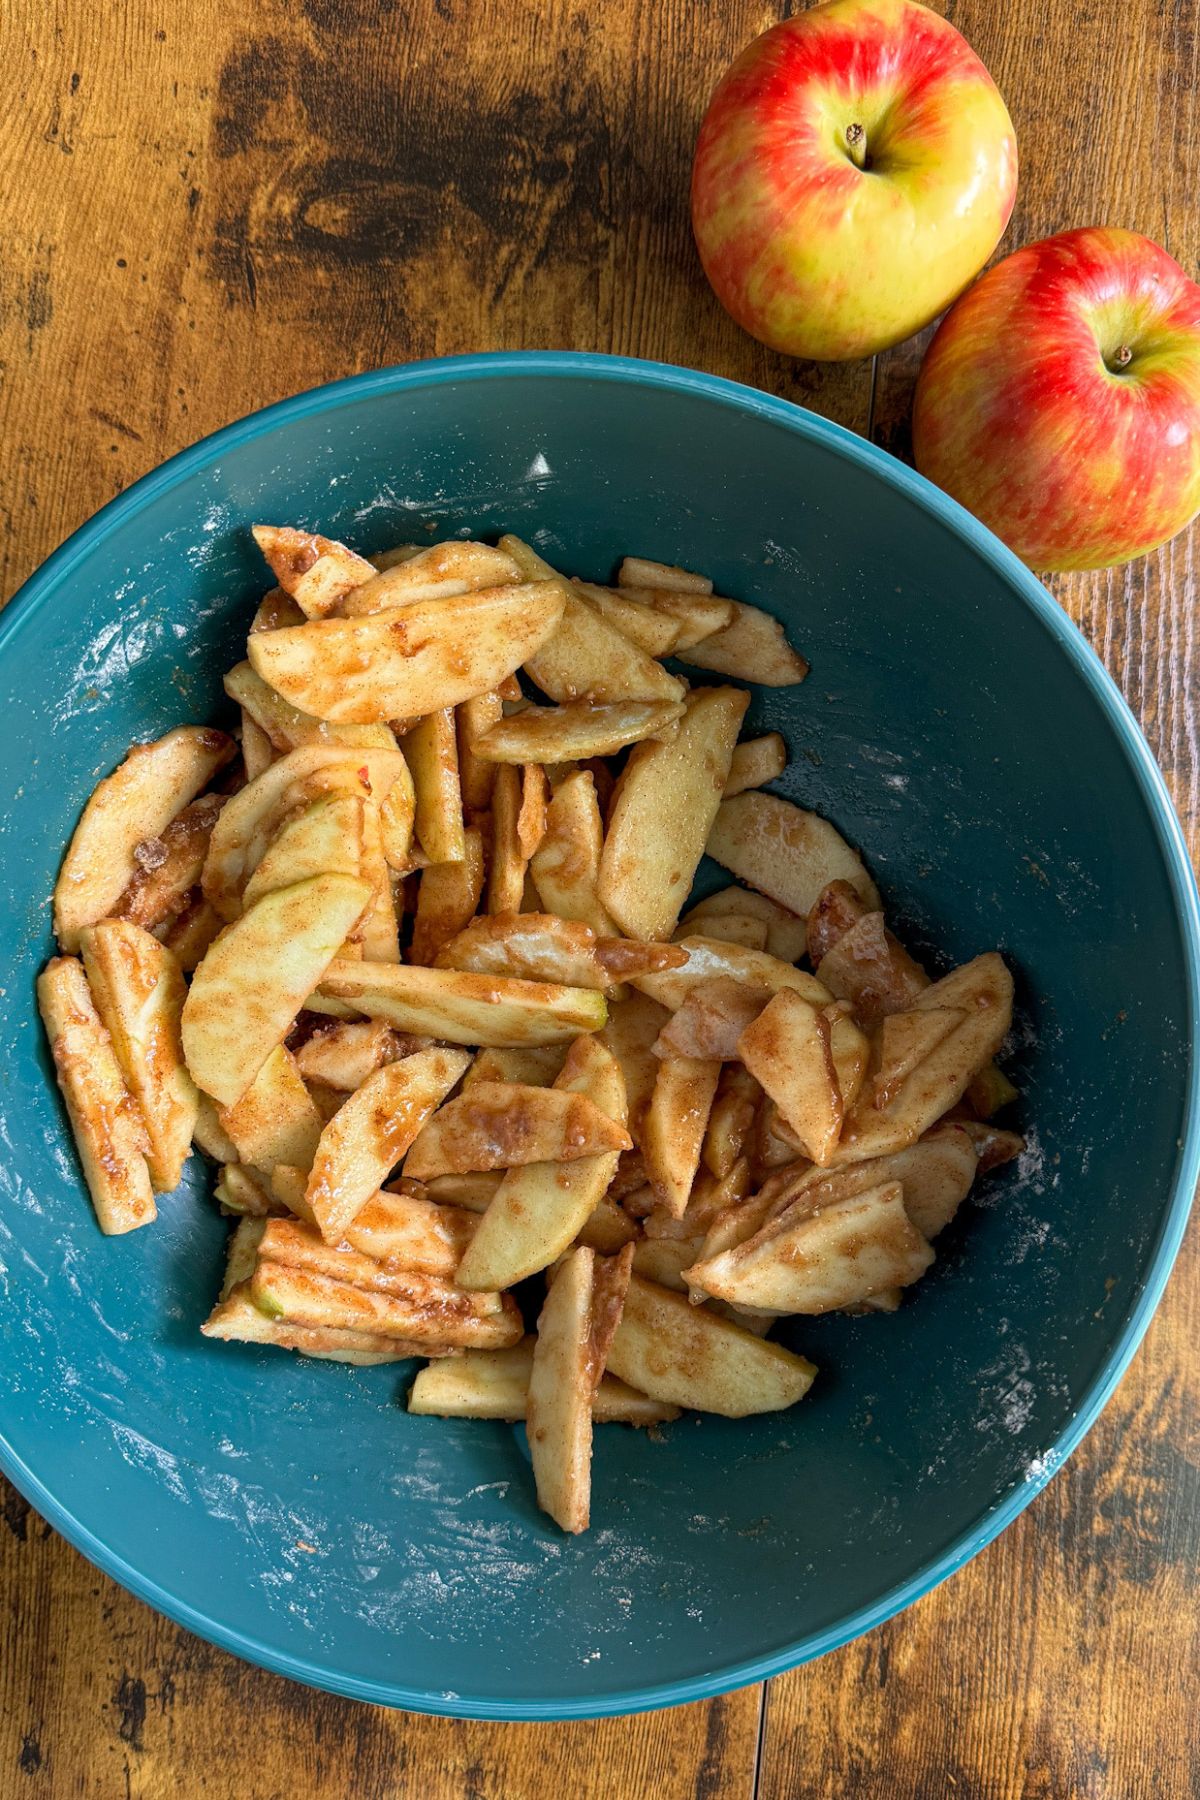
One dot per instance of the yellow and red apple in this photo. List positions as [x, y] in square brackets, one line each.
[1060, 400]
[855, 170]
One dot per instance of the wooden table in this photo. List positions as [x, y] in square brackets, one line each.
[206, 206]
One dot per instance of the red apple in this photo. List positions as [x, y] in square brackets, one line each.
[855, 169]
[1060, 400]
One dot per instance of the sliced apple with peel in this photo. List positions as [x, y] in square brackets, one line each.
[287, 727]
[786, 853]
[410, 660]
[750, 646]
[566, 864]
[936, 1174]
[494, 1384]
[431, 751]
[709, 958]
[257, 975]
[558, 1417]
[755, 762]
[275, 1120]
[837, 1256]
[572, 733]
[399, 1303]
[585, 657]
[412, 1233]
[501, 1125]
[539, 1209]
[139, 993]
[983, 990]
[440, 572]
[906, 1039]
[317, 572]
[685, 1355]
[109, 1131]
[465, 1008]
[370, 1133]
[236, 1319]
[135, 803]
[326, 838]
[666, 800]
[787, 1050]
[673, 1129]
[250, 818]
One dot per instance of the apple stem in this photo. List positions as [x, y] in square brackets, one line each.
[1122, 356]
[856, 144]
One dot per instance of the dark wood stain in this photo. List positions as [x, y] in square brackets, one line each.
[272, 195]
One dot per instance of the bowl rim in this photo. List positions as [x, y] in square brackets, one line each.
[574, 365]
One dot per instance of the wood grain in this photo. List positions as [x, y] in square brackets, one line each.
[205, 207]
[101, 1697]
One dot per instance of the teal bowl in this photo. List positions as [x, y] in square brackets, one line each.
[958, 728]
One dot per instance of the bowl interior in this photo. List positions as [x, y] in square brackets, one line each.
[291, 1508]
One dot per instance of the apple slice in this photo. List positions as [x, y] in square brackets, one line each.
[685, 1355]
[651, 631]
[836, 1256]
[712, 1019]
[936, 1174]
[476, 777]
[169, 866]
[275, 1120]
[731, 1121]
[411, 1233]
[139, 994]
[673, 1130]
[750, 646]
[431, 751]
[849, 1050]
[537, 1065]
[868, 967]
[788, 854]
[643, 572]
[343, 1052]
[447, 896]
[662, 812]
[540, 1208]
[500, 1125]
[983, 989]
[494, 1384]
[371, 1132]
[904, 1040]
[572, 733]
[787, 936]
[410, 660]
[509, 863]
[420, 1309]
[256, 976]
[109, 1131]
[787, 1050]
[440, 572]
[755, 762]
[236, 1319]
[317, 572]
[530, 947]
[586, 658]
[244, 1191]
[566, 865]
[466, 1009]
[708, 958]
[129, 807]
[325, 839]
[531, 818]
[634, 1024]
[250, 819]
[287, 728]
[695, 616]
[558, 1417]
